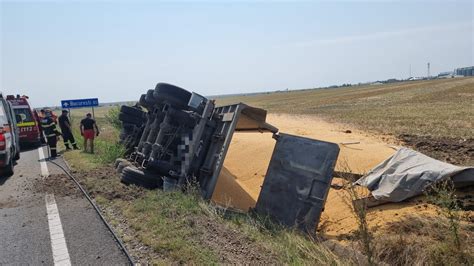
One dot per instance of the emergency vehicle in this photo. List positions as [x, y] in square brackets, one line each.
[9, 138]
[28, 119]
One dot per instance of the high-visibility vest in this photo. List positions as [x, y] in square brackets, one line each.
[49, 127]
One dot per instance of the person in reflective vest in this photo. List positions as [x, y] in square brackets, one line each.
[66, 130]
[51, 133]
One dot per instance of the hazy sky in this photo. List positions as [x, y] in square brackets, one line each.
[117, 50]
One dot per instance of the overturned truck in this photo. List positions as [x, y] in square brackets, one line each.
[174, 137]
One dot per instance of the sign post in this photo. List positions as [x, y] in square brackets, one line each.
[80, 103]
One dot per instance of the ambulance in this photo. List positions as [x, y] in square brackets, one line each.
[27, 120]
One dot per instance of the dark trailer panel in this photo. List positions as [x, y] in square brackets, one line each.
[297, 181]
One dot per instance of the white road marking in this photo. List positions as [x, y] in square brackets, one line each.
[44, 166]
[58, 242]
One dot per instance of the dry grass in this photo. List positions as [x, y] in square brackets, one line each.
[432, 108]
[418, 240]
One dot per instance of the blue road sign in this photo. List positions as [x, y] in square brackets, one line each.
[80, 103]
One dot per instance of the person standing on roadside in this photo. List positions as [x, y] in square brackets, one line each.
[51, 133]
[66, 131]
[89, 131]
[38, 117]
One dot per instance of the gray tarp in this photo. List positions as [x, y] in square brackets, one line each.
[407, 173]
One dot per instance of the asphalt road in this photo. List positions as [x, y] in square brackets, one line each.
[42, 228]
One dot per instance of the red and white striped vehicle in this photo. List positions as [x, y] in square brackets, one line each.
[28, 120]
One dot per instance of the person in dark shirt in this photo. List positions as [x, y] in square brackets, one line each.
[89, 131]
[51, 133]
[66, 131]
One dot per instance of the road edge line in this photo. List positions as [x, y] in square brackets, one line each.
[56, 233]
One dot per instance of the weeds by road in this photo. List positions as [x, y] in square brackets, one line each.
[355, 198]
[443, 194]
[421, 240]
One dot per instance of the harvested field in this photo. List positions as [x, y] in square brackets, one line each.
[439, 110]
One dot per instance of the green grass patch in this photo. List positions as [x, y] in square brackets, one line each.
[79, 160]
[165, 223]
[107, 152]
[106, 146]
[112, 116]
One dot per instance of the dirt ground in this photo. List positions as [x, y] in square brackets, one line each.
[455, 151]
[59, 185]
[249, 154]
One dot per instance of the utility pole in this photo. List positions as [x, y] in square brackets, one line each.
[429, 70]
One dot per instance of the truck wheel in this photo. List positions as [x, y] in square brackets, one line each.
[118, 161]
[128, 128]
[128, 119]
[133, 111]
[17, 156]
[142, 101]
[173, 95]
[122, 165]
[131, 175]
[122, 136]
[149, 97]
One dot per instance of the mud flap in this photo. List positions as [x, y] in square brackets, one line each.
[297, 181]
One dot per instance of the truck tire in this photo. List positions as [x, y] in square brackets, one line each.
[133, 111]
[173, 95]
[142, 101]
[131, 175]
[128, 119]
[131, 136]
[149, 97]
[118, 161]
[122, 136]
[122, 165]
[128, 128]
